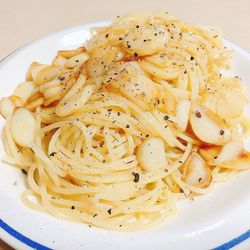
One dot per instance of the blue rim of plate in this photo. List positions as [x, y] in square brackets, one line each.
[27, 241]
[35, 245]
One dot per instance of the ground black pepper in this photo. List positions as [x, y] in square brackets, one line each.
[198, 114]
[137, 176]
[24, 171]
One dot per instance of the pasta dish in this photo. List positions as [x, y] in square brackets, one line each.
[113, 133]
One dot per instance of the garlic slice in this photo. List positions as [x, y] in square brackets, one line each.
[77, 60]
[225, 109]
[24, 90]
[241, 163]
[71, 104]
[207, 126]
[230, 151]
[139, 39]
[196, 171]
[6, 107]
[182, 114]
[151, 154]
[209, 153]
[22, 127]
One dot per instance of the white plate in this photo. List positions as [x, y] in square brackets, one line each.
[219, 219]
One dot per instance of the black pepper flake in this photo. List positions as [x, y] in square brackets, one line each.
[94, 215]
[127, 126]
[137, 176]
[147, 135]
[200, 179]
[215, 157]
[73, 207]
[77, 61]
[180, 161]
[118, 113]
[137, 26]
[24, 171]
[198, 114]
[61, 78]
[221, 132]
[107, 35]
[166, 117]
[109, 211]
[135, 54]
[120, 38]
[129, 162]
[53, 154]
[185, 72]
[144, 40]
[191, 58]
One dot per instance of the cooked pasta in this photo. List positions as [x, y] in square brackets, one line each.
[113, 133]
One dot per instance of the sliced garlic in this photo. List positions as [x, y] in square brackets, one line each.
[47, 74]
[230, 151]
[224, 106]
[207, 126]
[36, 103]
[100, 60]
[240, 163]
[77, 86]
[6, 107]
[23, 127]
[70, 53]
[40, 73]
[49, 93]
[16, 100]
[196, 171]
[139, 39]
[68, 106]
[209, 153]
[24, 90]
[77, 60]
[151, 154]
[143, 92]
[34, 69]
[182, 114]
[59, 61]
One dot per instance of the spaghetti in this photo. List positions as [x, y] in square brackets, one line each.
[111, 134]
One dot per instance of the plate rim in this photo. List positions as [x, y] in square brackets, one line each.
[13, 237]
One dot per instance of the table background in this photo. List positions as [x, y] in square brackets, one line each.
[23, 21]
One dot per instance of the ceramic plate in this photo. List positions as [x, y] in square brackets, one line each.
[219, 220]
